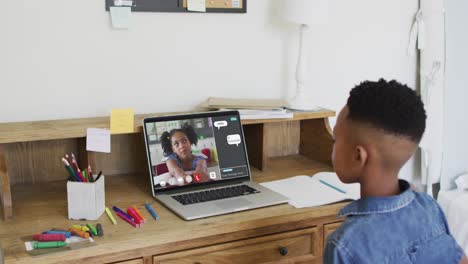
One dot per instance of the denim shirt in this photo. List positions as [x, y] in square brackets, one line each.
[406, 228]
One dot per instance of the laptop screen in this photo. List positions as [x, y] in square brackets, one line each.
[195, 149]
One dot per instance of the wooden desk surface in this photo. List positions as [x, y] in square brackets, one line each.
[48, 209]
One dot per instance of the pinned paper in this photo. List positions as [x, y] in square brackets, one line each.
[98, 139]
[196, 5]
[120, 16]
[121, 121]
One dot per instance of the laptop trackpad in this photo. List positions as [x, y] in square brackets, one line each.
[239, 203]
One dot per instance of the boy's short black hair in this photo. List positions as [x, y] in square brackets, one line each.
[391, 106]
[165, 138]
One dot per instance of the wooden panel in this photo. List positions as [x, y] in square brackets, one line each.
[316, 140]
[302, 245]
[128, 155]
[283, 138]
[133, 261]
[76, 128]
[256, 141]
[5, 190]
[328, 229]
[40, 161]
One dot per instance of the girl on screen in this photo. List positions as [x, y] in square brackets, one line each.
[177, 147]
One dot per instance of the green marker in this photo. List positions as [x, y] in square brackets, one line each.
[50, 244]
[92, 228]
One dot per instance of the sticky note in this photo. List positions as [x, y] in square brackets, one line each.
[196, 5]
[121, 121]
[98, 139]
[120, 16]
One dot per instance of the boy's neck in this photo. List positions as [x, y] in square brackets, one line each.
[379, 184]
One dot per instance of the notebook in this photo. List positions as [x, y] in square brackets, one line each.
[319, 189]
[199, 167]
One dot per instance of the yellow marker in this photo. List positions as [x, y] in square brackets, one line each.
[139, 214]
[80, 227]
[109, 213]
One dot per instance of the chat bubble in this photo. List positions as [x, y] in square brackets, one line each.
[234, 139]
[219, 124]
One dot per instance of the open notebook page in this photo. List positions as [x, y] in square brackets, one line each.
[307, 191]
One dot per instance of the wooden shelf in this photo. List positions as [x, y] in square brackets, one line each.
[76, 128]
[48, 209]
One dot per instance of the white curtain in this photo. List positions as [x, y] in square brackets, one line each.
[428, 37]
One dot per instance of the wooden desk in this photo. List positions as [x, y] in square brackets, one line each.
[33, 184]
[253, 236]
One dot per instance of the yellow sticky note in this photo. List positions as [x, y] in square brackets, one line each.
[121, 121]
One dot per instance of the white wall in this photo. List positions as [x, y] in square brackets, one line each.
[456, 93]
[61, 59]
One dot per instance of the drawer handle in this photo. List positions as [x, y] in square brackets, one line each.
[283, 251]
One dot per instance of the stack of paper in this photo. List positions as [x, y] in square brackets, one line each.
[319, 189]
[232, 103]
[263, 114]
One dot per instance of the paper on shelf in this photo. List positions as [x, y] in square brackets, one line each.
[306, 191]
[98, 139]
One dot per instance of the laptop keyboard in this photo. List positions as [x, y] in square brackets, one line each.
[215, 194]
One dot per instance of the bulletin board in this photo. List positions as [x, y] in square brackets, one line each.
[212, 6]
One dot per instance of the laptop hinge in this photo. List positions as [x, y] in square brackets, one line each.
[201, 188]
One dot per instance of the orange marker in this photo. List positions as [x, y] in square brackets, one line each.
[78, 232]
[139, 214]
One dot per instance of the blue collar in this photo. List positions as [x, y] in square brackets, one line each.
[376, 205]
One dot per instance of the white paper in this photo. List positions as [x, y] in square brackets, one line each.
[196, 5]
[120, 16]
[306, 191]
[98, 139]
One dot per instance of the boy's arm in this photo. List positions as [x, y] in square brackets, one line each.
[335, 254]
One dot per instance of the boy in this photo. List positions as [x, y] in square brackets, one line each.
[376, 133]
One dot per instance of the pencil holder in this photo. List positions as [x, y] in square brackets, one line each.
[86, 200]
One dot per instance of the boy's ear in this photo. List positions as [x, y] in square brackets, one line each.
[360, 155]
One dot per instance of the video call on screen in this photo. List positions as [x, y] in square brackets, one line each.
[220, 148]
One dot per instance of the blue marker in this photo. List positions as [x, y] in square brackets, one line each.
[331, 186]
[152, 212]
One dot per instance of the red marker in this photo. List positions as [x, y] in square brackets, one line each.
[135, 216]
[49, 237]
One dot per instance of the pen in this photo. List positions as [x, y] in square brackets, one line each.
[152, 212]
[139, 213]
[331, 186]
[98, 176]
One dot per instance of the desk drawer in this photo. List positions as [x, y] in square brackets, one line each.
[301, 246]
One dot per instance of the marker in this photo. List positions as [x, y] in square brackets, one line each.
[49, 237]
[118, 210]
[135, 216]
[66, 233]
[78, 232]
[152, 212]
[100, 231]
[80, 227]
[128, 220]
[331, 186]
[139, 213]
[54, 244]
[109, 213]
[92, 228]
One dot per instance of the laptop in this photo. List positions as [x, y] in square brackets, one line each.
[199, 167]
